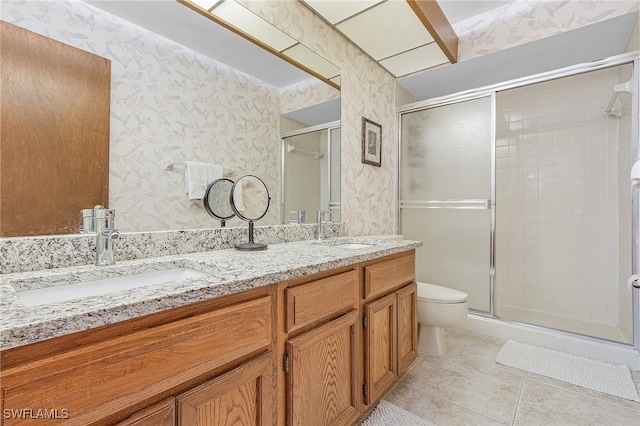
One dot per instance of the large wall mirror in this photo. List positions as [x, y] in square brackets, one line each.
[185, 88]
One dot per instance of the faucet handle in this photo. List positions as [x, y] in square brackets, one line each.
[322, 214]
[112, 234]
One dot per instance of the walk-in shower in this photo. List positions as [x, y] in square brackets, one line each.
[522, 196]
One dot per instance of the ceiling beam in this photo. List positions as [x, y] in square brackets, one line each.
[434, 20]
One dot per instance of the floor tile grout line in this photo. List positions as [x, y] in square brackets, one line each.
[520, 393]
[612, 399]
[425, 358]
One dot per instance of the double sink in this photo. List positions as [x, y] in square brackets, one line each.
[71, 286]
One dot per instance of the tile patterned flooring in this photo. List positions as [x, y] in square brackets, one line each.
[467, 387]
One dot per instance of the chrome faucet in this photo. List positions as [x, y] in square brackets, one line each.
[106, 233]
[320, 229]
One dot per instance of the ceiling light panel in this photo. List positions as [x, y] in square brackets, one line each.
[337, 11]
[250, 23]
[307, 57]
[415, 60]
[386, 29]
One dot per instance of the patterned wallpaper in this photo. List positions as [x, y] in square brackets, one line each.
[304, 94]
[367, 90]
[525, 21]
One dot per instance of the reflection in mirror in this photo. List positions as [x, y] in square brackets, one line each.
[217, 200]
[250, 201]
[168, 101]
[241, 20]
[311, 172]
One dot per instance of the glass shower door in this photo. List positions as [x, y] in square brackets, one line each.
[446, 195]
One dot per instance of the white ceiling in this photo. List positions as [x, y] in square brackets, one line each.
[391, 33]
[388, 31]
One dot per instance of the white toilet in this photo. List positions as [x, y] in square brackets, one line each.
[438, 307]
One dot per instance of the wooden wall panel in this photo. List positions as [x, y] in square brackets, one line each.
[54, 141]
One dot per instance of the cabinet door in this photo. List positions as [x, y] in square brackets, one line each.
[321, 386]
[407, 326]
[243, 396]
[380, 354]
[160, 414]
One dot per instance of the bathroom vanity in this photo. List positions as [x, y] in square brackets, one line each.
[302, 333]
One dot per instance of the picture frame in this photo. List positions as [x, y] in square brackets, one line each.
[371, 142]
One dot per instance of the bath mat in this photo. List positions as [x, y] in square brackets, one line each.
[387, 414]
[612, 379]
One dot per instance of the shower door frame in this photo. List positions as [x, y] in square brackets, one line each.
[632, 58]
[467, 203]
[332, 125]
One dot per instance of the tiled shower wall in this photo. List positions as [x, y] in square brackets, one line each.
[563, 198]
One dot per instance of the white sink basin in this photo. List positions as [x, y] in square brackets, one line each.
[353, 246]
[59, 293]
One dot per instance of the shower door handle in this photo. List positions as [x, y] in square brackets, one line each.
[471, 204]
[632, 282]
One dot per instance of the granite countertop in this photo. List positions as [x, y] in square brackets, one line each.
[227, 271]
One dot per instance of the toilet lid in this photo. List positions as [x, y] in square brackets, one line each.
[435, 293]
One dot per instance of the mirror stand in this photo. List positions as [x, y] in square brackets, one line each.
[251, 245]
[257, 194]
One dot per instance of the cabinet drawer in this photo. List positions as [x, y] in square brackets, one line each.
[316, 300]
[381, 277]
[99, 380]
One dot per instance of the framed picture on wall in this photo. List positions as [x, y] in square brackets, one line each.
[371, 142]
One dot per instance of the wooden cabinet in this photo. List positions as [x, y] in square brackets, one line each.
[320, 344]
[106, 381]
[315, 350]
[320, 299]
[380, 351]
[346, 338]
[321, 387]
[389, 323]
[407, 299]
[243, 396]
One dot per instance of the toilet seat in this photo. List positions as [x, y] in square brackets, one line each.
[435, 293]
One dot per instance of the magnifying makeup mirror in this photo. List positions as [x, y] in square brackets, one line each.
[216, 200]
[250, 201]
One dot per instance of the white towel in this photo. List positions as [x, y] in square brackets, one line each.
[198, 176]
